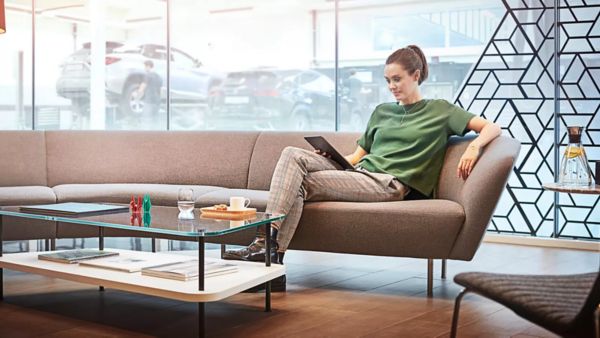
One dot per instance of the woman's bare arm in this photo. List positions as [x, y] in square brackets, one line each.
[356, 155]
[487, 132]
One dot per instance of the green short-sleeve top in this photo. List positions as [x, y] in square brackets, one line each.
[409, 142]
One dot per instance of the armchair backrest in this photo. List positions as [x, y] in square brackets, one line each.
[584, 320]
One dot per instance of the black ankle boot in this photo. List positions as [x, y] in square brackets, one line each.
[255, 252]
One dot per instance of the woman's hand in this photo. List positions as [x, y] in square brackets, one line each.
[322, 153]
[467, 161]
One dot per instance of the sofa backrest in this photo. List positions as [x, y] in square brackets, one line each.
[174, 157]
[270, 144]
[22, 158]
[480, 193]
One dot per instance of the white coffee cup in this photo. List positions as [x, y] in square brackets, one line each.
[238, 203]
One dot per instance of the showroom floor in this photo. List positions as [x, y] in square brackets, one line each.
[329, 295]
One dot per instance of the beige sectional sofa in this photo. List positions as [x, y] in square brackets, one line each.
[109, 166]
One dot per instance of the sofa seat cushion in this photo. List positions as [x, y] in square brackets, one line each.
[258, 198]
[17, 228]
[421, 229]
[26, 195]
[160, 194]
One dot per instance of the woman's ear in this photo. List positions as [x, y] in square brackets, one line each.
[417, 75]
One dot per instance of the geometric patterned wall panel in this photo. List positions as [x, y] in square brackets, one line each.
[513, 85]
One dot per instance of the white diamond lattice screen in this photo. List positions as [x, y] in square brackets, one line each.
[512, 84]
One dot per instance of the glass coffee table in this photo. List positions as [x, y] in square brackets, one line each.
[162, 223]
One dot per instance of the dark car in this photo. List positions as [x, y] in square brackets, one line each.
[190, 81]
[275, 99]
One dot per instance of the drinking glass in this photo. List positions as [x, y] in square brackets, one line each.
[185, 203]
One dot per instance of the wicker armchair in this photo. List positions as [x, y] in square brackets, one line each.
[567, 305]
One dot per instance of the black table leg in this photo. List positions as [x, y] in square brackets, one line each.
[201, 320]
[200, 263]
[268, 263]
[268, 241]
[101, 246]
[153, 244]
[201, 310]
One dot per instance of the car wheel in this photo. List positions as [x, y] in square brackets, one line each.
[301, 119]
[130, 105]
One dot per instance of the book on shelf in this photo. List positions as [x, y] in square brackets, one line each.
[73, 209]
[188, 270]
[75, 256]
[132, 263]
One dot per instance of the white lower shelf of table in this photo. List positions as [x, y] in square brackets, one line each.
[215, 288]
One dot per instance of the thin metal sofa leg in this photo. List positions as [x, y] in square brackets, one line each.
[443, 268]
[456, 312]
[429, 277]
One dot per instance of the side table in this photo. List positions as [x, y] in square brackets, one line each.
[592, 189]
[589, 190]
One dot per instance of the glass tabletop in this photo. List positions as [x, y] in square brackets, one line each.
[162, 220]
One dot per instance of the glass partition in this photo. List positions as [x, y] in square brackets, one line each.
[92, 59]
[15, 67]
[254, 65]
[452, 38]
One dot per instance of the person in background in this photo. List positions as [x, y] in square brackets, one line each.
[399, 156]
[149, 92]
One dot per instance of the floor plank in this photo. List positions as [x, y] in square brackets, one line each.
[329, 295]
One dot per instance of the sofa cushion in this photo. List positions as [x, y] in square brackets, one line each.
[159, 157]
[160, 194]
[421, 229]
[17, 228]
[23, 155]
[26, 195]
[258, 198]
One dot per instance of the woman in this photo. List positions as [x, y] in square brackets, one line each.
[400, 155]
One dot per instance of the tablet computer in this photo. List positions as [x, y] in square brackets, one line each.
[319, 142]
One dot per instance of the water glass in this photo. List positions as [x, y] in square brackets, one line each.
[185, 203]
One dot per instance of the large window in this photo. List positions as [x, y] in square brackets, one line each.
[244, 65]
[452, 37]
[256, 63]
[15, 67]
[92, 57]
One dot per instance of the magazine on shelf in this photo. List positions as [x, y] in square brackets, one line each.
[73, 209]
[188, 270]
[75, 256]
[132, 263]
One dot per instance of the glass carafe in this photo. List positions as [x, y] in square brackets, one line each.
[574, 169]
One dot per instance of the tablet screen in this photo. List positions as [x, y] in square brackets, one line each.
[319, 142]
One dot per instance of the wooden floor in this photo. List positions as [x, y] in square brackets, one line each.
[329, 295]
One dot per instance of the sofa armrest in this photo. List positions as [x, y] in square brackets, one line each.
[480, 193]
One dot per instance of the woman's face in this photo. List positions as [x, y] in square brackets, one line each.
[400, 83]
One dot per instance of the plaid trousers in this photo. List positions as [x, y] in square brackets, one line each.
[302, 175]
